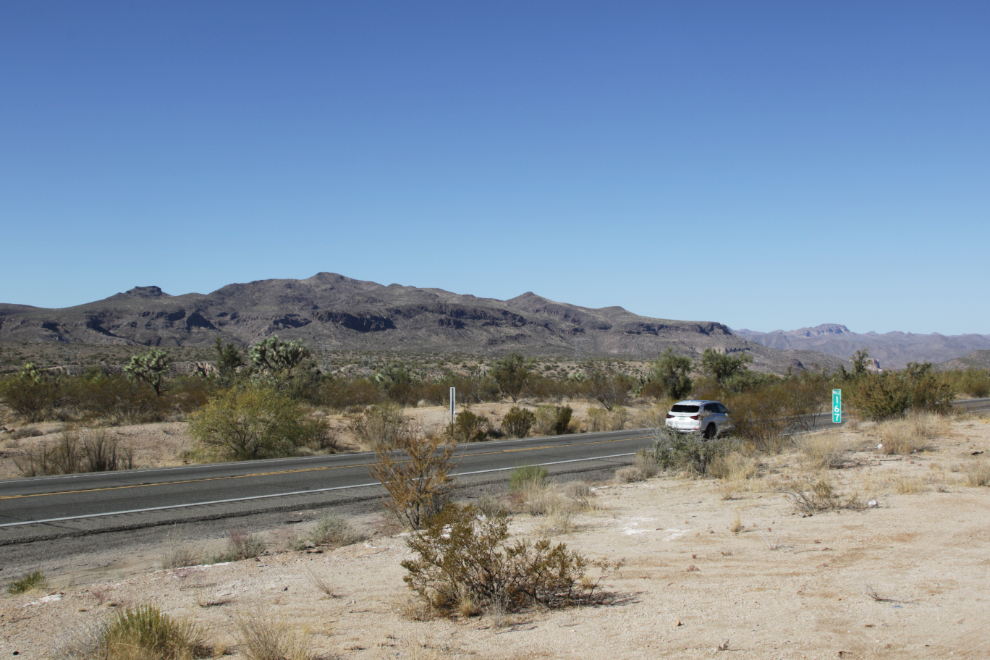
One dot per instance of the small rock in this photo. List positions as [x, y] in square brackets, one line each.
[873, 504]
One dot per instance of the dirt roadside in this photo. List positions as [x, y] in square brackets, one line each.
[905, 579]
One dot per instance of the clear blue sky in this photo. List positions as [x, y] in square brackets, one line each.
[766, 165]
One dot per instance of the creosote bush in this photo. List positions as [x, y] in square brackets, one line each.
[461, 557]
[517, 422]
[688, 451]
[553, 420]
[416, 474]
[469, 427]
[245, 423]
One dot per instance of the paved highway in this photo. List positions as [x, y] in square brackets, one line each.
[46, 507]
[49, 507]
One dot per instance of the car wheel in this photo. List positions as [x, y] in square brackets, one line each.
[710, 431]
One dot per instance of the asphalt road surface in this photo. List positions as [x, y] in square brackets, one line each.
[43, 508]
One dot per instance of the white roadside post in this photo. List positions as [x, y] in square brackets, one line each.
[453, 398]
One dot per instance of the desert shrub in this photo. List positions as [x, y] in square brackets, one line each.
[669, 377]
[245, 423]
[118, 400]
[733, 466]
[823, 450]
[807, 397]
[240, 546]
[29, 582]
[930, 392]
[511, 374]
[517, 422]
[908, 435]
[32, 393]
[629, 474]
[881, 396]
[491, 505]
[460, 556]
[687, 451]
[553, 420]
[418, 483]
[816, 495]
[604, 383]
[728, 372]
[96, 451]
[145, 632]
[975, 383]
[600, 419]
[469, 427]
[263, 636]
[340, 393]
[522, 477]
[379, 427]
[760, 415]
[333, 531]
[177, 554]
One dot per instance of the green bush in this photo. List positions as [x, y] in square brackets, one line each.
[688, 451]
[32, 393]
[553, 420]
[517, 422]
[461, 558]
[254, 422]
[29, 582]
[117, 399]
[670, 376]
[469, 427]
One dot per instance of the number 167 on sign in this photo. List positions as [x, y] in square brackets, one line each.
[837, 406]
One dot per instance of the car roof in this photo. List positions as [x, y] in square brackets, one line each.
[695, 402]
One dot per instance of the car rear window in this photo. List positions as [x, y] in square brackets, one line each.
[684, 409]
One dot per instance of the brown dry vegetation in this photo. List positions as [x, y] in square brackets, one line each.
[728, 563]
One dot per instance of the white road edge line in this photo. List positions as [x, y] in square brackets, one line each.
[262, 497]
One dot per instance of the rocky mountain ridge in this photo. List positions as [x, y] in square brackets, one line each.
[346, 314]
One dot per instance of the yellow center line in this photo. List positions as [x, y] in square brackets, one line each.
[313, 469]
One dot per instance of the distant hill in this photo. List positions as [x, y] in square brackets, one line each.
[348, 314]
[893, 349]
[975, 360]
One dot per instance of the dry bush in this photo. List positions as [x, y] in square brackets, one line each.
[906, 436]
[460, 556]
[380, 427]
[146, 633]
[978, 474]
[653, 416]
[264, 636]
[517, 422]
[600, 419]
[240, 546]
[629, 474]
[688, 452]
[491, 506]
[760, 415]
[333, 531]
[823, 450]
[176, 553]
[94, 451]
[734, 467]
[818, 495]
[416, 475]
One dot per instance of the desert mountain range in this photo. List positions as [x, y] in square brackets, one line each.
[893, 349]
[347, 314]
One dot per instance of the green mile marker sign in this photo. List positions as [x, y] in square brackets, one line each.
[837, 406]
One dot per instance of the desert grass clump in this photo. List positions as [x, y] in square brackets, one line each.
[262, 636]
[178, 554]
[240, 546]
[33, 581]
[909, 435]
[822, 451]
[526, 476]
[978, 474]
[416, 474]
[600, 419]
[146, 633]
[380, 426]
[460, 556]
[333, 531]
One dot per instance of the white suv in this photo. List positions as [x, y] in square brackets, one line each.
[708, 417]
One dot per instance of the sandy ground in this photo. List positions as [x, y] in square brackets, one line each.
[905, 579]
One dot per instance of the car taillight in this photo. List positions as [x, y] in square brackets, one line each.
[669, 416]
[695, 416]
